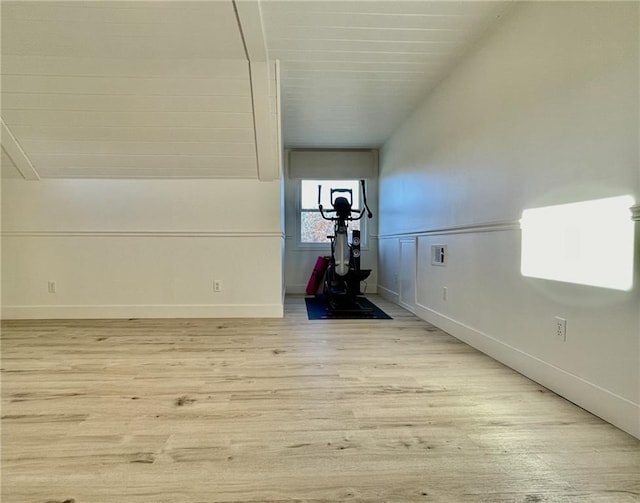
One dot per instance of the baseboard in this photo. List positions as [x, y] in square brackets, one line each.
[143, 311]
[296, 289]
[389, 295]
[613, 408]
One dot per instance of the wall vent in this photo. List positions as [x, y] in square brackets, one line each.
[438, 254]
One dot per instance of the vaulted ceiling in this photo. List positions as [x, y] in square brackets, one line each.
[352, 70]
[184, 89]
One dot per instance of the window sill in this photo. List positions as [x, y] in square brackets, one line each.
[320, 247]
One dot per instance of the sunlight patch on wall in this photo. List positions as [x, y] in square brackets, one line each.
[588, 243]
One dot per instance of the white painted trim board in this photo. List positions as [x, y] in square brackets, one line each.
[603, 403]
[143, 311]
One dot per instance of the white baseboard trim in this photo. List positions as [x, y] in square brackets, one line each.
[389, 295]
[605, 404]
[296, 289]
[143, 311]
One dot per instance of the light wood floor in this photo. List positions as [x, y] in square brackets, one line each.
[207, 411]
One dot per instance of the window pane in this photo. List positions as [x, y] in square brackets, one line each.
[314, 229]
[309, 193]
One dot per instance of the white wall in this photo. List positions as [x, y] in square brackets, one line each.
[141, 248]
[299, 260]
[543, 111]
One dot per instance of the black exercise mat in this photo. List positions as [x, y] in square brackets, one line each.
[318, 309]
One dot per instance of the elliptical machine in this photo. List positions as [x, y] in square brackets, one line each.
[342, 283]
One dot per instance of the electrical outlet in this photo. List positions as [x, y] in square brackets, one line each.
[445, 293]
[561, 328]
[51, 287]
[217, 285]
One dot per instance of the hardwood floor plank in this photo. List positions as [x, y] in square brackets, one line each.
[246, 410]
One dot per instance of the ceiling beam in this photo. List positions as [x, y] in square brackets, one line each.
[264, 122]
[17, 155]
[252, 30]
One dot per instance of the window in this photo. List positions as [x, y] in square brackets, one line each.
[313, 228]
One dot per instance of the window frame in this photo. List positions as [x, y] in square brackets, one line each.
[325, 245]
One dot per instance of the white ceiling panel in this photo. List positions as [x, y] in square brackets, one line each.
[107, 29]
[132, 161]
[138, 86]
[131, 134]
[129, 67]
[132, 103]
[9, 169]
[100, 89]
[88, 147]
[164, 88]
[145, 172]
[353, 70]
[92, 118]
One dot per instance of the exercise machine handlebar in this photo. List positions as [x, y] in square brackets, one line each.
[350, 218]
[364, 200]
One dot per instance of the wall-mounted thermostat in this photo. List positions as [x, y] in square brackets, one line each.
[438, 254]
